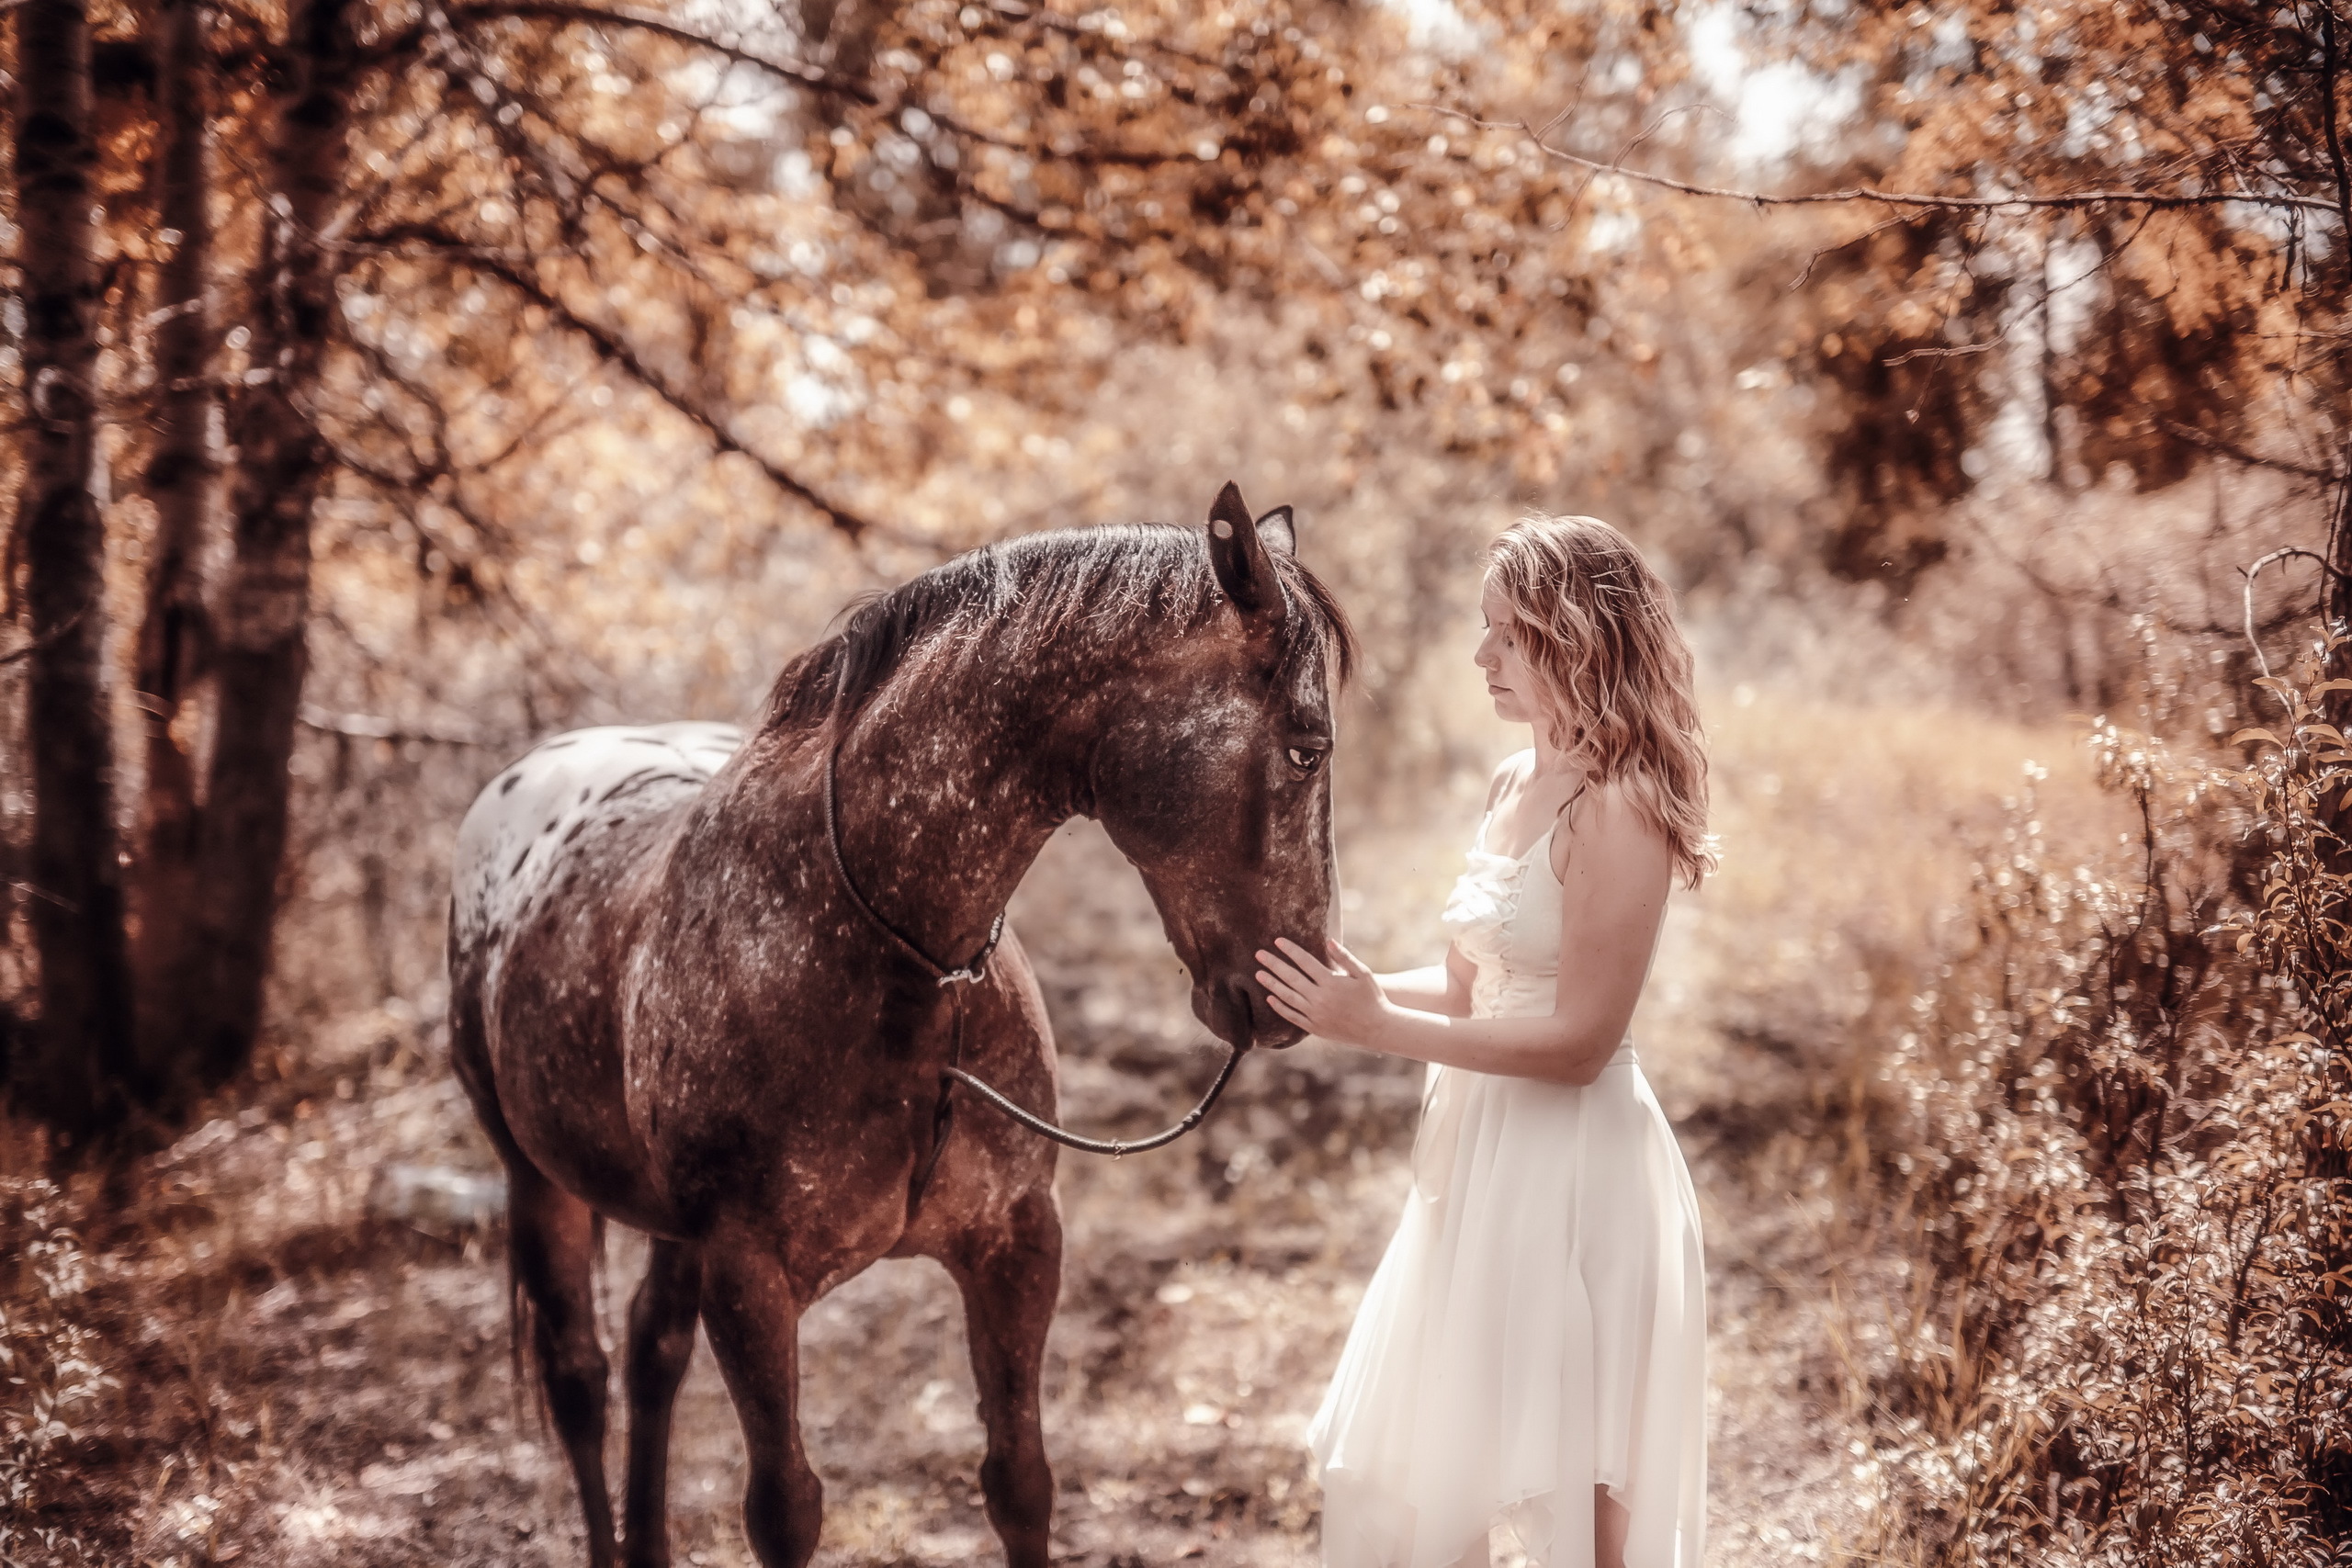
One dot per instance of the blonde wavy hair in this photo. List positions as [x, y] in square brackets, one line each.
[1596, 625]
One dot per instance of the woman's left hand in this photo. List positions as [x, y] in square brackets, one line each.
[1344, 1004]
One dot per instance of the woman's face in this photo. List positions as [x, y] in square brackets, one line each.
[1508, 680]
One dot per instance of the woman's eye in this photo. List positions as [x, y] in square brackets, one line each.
[1305, 761]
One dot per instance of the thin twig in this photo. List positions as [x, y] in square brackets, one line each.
[43, 894]
[2251, 572]
[1950, 351]
[369, 726]
[393, 49]
[1872, 232]
[48, 639]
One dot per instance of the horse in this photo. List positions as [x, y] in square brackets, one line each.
[702, 982]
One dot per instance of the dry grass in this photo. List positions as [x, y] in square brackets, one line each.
[2081, 1211]
[306, 1380]
[1851, 833]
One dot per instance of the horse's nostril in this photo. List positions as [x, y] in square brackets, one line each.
[1266, 1026]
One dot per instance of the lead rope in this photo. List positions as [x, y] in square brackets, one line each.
[1114, 1148]
[974, 969]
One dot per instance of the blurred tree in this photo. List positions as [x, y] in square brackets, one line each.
[2085, 234]
[181, 479]
[261, 618]
[75, 1066]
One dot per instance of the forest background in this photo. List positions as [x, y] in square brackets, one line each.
[389, 385]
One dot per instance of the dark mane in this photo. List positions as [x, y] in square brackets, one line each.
[1028, 591]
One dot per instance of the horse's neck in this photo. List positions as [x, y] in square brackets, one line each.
[944, 802]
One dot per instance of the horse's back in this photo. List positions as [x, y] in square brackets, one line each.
[516, 839]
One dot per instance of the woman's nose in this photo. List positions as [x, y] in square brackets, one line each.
[1486, 658]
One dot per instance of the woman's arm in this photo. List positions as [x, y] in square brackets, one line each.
[1613, 899]
[1442, 989]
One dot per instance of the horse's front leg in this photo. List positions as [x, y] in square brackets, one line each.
[753, 1315]
[660, 1342]
[1011, 1273]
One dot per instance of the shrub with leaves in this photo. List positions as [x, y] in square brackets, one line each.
[2300, 933]
[50, 1373]
[2115, 1142]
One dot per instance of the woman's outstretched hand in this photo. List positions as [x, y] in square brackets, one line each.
[1343, 1003]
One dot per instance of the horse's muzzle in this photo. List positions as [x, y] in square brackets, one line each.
[1238, 1013]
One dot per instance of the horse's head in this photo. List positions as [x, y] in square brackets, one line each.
[1215, 777]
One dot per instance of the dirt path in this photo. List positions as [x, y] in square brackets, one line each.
[310, 1380]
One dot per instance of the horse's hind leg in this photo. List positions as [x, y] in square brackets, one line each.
[553, 1237]
[753, 1315]
[660, 1342]
[1009, 1275]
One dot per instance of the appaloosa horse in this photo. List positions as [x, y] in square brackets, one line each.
[697, 977]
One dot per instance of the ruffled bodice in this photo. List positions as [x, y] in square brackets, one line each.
[1504, 915]
[1516, 950]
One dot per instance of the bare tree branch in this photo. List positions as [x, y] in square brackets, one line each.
[615, 351]
[395, 48]
[2067, 200]
[598, 684]
[2236, 454]
[2289, 552]
[2293, 552]
[48, 639]
[369, 726]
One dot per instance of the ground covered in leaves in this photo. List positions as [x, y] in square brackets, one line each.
[305, 1328]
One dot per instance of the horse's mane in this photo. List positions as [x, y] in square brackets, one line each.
[1025, 593]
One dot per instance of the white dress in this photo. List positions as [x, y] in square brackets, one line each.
[1538, 1325]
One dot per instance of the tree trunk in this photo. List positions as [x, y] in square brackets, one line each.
[182, 476]
[72, 1075]
[259, 652]
[2337, 591]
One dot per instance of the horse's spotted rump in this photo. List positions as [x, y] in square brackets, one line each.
[511, 846]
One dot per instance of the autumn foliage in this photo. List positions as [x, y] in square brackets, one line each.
[387, 384]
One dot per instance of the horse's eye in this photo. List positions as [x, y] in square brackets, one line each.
[1304, 759]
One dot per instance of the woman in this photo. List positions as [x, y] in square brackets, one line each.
[1531, 1351]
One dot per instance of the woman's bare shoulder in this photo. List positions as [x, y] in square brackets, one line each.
[1509, 774]
[1606, 826]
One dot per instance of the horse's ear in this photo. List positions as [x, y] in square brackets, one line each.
[1278, 532]
[1238, 555]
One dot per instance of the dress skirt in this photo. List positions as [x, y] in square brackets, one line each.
[1537, 1327]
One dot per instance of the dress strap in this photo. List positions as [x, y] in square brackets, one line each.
[1570, 804]
[1558, 817]
[1484, 823]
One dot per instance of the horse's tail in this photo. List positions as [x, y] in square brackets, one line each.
[522, 1324]
[470, 1061]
